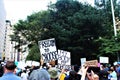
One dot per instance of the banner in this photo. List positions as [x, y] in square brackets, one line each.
[64, 59]
[48, 50]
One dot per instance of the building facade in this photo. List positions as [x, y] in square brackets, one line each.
[8, 44]
[2, 28]
[11, 52]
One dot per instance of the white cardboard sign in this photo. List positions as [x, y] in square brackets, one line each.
[104, 60]
[64, 58]
[48, 50]
[83, 60]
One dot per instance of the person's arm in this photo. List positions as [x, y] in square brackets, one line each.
[83, 72]
[62, 74]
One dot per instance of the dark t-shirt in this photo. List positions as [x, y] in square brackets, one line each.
[73, 76]
[103, 75]
[1, 70]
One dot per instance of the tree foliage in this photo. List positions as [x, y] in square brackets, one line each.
[31, 28]
[76, 27]
[109, 44]
[34, 53]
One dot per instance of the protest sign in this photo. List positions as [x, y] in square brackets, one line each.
[83, 60]
[63, 59]
[48, 49]
[104, 60]
[92, 63]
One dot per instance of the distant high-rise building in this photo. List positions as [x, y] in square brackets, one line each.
[10, 52]
[8, 48]
[2, 27]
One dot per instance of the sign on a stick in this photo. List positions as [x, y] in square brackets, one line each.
[104, 60]
[64, 60]
[92, 63]
[48, 50]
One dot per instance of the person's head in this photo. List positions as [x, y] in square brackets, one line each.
[76, 68]
[92, 76]
[112, 68]
[24, 71]
[10, 66]
[74, 76]
[118, 64]
[53, 73]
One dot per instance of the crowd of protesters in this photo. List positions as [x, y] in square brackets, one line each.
[9, 71]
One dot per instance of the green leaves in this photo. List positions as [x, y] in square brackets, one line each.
[75, 26]
[109, 46]
[34, 53]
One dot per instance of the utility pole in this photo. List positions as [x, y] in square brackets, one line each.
[114, 24]
[113, 16]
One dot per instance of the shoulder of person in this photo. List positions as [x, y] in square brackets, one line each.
[33, 75]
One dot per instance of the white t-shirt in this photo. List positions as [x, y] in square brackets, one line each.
[24, 76]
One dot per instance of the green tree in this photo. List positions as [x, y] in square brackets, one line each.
[30, 29]
[109, 45]
[74, 25]
[34, 53]
[77, 26]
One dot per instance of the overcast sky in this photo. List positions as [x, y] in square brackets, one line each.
[20, 9]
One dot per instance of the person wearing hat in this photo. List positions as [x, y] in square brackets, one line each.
[39, 74]
[9, 69]
[118, 70]
[54, 74]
